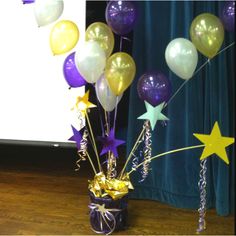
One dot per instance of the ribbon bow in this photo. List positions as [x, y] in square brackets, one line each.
[106, 217]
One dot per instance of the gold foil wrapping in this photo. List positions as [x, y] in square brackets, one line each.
[100, 186]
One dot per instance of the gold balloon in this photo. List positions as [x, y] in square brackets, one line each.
[64, 36]
[207, 34]
[103, 35]
[119, 72]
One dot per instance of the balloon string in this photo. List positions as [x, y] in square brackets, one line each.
[93, 141]
[132, 151]
[186, 81]
[121, 43]
[166, 153]
[109, 119]
[115, 115]
[114, 123]
[225, 48]
[126, 39]
[176, 92]
[110, 162]
[107, 126]
[91, 162]
[99, 112]
[200, 68]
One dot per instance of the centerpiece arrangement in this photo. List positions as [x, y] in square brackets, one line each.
[110, 76]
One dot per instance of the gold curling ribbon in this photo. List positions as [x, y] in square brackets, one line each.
[100, 186]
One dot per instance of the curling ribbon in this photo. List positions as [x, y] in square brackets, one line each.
[111, 166]
[106, 217]
[82, 152]
[202, 187]
[81, 120]
[135, 160]
[147, 150]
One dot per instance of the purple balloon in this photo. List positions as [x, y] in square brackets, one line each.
[154, 87]
[28, 1]
[71, 74]
[121, 16]
[228, 15]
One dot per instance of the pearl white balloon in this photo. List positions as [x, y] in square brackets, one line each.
[104, 94]
[182, 57]
[47, 11]
[90, 60]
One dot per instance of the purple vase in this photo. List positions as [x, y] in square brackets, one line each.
[108, 215]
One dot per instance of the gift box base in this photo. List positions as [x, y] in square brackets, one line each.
[108, 215]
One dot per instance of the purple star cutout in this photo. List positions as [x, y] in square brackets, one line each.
[77, 137]
[110, 143]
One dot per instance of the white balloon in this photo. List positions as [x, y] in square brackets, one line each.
[182, 57]
[47, 11]
[104, 94]
[90, 60]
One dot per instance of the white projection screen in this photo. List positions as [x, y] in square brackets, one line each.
[35, 100]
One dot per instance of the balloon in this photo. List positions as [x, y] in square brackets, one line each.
[154, 87]
[47, 11]
[90, 61]
[207, 34]
[104, 94]
[71, 74]
[102, 34]
[28, 1]
[181, 57]
[64, 36]
[228, 15]
[121, 16]
[119, 72]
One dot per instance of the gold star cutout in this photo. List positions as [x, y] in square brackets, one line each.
[82, 103]
[215, 143]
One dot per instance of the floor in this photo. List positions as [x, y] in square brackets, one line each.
[45, 202]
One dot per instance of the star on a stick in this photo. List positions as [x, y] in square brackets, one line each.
[82, 103]
[77, 137]
[215, 143]
[153, 114]
[110, 143]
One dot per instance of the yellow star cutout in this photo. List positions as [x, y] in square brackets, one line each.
[82, 103]
[215, 143]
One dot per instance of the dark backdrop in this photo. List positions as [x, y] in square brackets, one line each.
[208, 97]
